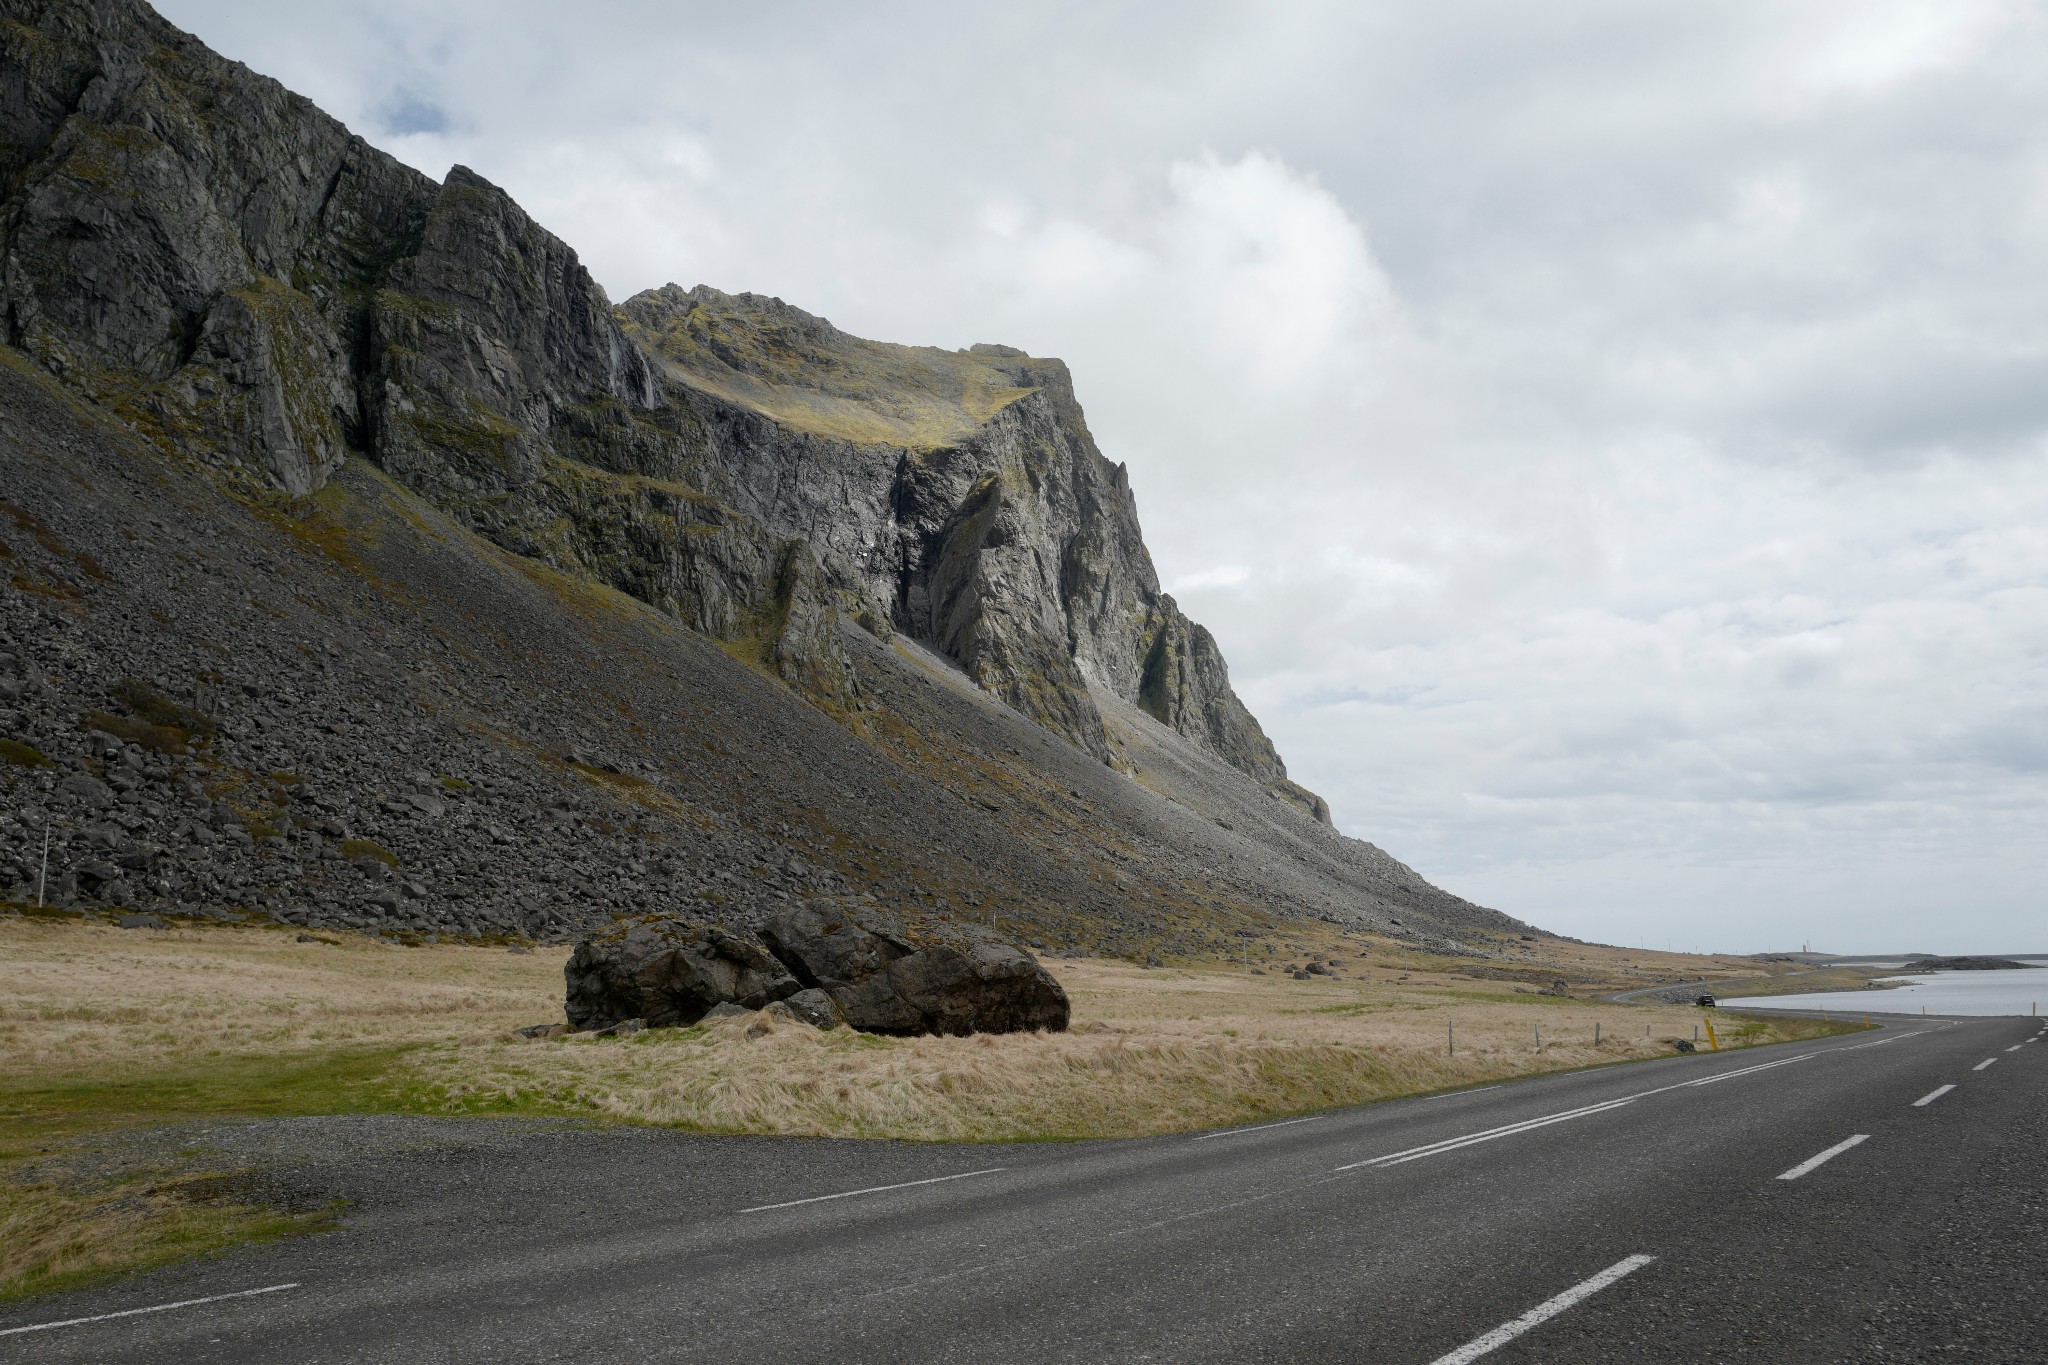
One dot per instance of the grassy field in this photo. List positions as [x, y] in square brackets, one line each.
[103, 1029]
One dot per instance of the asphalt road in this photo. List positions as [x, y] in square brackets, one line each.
[1633, 1213]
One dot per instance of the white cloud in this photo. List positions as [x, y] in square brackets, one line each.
[1868, 47]
[1608, 440]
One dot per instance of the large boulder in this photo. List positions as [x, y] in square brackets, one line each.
[828, 964]
[959, 980]
[827, 946]
[669, 971]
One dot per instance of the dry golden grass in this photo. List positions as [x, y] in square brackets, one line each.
[102, 1028]
[76, 998]
[52, 1236]
[1151, 1052]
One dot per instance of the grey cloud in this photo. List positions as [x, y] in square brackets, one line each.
[409, 113]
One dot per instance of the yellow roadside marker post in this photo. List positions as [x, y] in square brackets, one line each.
[1712, 1041]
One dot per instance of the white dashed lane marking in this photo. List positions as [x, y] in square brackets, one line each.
[872, 1189]
[1233, 1132]
[1829, 1155]
[1542, 1312]
[153, 1308]
[1931, 1096]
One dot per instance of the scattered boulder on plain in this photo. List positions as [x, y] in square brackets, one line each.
[819, 963]
[962, 980]
[971, 987]
[668, 972]
[829, 947]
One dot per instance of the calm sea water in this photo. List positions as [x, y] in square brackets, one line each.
[2021, 992]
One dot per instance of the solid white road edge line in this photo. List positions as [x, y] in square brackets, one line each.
[872, 1189]
[1829, 1155]
[1986, 1062]
[1510, 1129]
[1467, 1139]
[1931, 1096]
[1233, 1132]
[1731, 1075]
[153, 1308]
[1542, 1312]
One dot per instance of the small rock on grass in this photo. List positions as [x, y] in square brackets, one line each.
[816, 1008]
[766, 1018]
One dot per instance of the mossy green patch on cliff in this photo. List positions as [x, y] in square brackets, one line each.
[403, 307]
[324, 522]
[473, 438]
[139, 699]
[586, 598]
[808, 375]
[161, 739]
[100, 154]
[642, 793]
[368, 850]
[632, 483]
[21, 755]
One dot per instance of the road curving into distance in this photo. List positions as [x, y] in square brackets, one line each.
[1875, 1196]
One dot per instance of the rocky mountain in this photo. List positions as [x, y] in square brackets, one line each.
[351, 515]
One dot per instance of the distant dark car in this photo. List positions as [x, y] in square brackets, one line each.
[1705, 1002]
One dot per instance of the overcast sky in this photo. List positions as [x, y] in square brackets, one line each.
[1606, 438]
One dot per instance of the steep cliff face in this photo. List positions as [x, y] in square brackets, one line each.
[246, 282]
[962, 490]
[187, 241]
